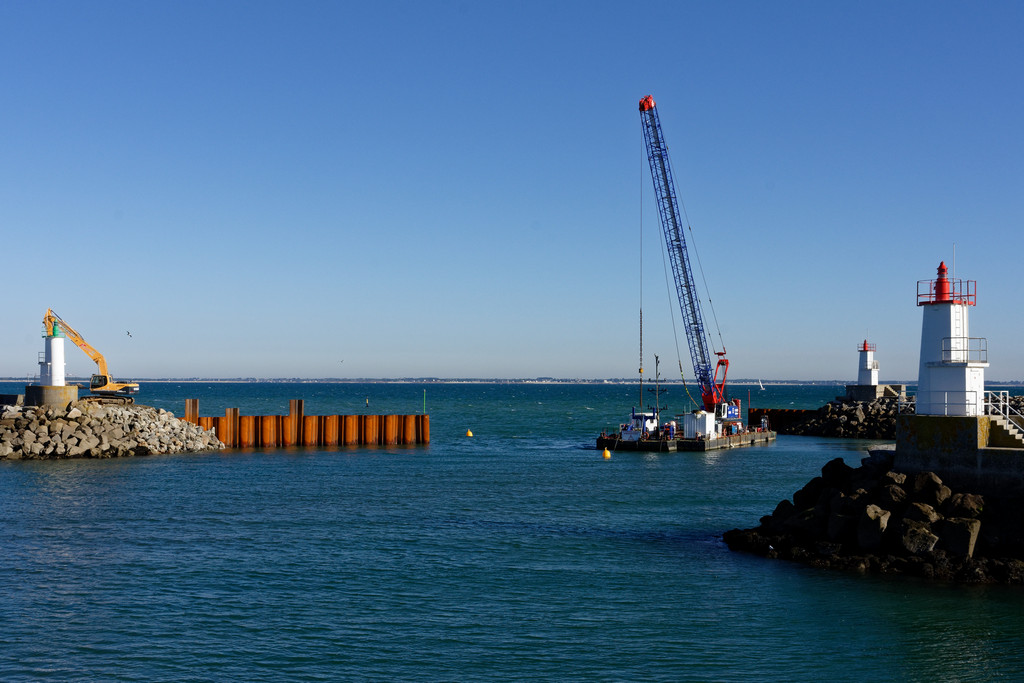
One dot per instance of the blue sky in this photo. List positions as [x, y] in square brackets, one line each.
[394, 189]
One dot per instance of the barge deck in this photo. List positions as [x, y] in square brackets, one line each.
[667, 444]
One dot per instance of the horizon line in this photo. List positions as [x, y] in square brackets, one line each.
[441, 380]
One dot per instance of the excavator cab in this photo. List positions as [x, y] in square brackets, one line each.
[102, 384]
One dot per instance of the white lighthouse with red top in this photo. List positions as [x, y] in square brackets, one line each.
[960, 432]
[867, 368]
[951, 376]
[867, 387]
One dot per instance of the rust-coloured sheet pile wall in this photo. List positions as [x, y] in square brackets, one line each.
[299, 429]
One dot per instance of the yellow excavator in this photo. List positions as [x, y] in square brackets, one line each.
[101, 384]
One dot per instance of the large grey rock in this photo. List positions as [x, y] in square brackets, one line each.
[808, 495]
[959, 535]
[871, 527]
[897, 478]
[928, 488]
[841, 527]
[891, 497]
[836, 473]
[965, 505]
[805, 524]
[922, 512]
[916, 538]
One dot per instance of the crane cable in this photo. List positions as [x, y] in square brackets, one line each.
[700, 266]
[642, 282]
[672, 316]
[668, 289]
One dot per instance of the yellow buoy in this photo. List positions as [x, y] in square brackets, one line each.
[469, 432]
[607, 454]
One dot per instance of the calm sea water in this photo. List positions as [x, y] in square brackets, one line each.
[519, 553]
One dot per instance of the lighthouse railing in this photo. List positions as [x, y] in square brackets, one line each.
[949, 403]
[964, 350]
[954, 291]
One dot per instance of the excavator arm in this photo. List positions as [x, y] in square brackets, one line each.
[101, 382]
[51, 319]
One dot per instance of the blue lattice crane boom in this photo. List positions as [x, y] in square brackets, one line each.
[711, 388]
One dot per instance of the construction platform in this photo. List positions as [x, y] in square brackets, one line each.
[671, 445]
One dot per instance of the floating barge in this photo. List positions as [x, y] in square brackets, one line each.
[666, 444]
[701, 431]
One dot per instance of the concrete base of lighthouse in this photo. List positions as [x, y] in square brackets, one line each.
[977, 452]
[57, 397]
[871, 392]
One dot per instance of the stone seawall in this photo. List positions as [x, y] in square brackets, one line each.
[850, 419]
[89, 430]
[874, 519]
[842, 418]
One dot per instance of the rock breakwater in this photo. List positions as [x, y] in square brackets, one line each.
[88, 430]
[851, 419]
[873, 519]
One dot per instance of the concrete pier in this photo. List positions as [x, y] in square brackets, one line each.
[983, 452]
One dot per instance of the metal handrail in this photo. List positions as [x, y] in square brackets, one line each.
[966, 400]
[998, 403]
[957, 292]
[964, 350]
[906, 404]
[994, 403]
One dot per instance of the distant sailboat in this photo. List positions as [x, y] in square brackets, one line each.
[760, 385]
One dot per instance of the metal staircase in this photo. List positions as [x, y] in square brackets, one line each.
[1004, 431]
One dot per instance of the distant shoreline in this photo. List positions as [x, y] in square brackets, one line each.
[455, 380]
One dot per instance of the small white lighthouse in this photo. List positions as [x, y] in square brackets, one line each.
[867, 387]
[51, 365]
[951, 377]
[867, 367]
